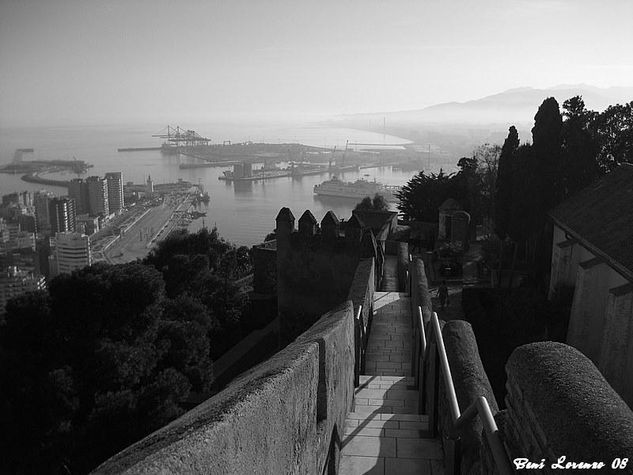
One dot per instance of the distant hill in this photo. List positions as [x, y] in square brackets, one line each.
[512, 106]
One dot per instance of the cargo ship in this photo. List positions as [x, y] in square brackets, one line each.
[356, 190]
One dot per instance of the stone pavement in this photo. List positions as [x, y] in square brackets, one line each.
[390, 274]
[384, 434]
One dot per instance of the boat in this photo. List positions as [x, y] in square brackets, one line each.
[357, 190]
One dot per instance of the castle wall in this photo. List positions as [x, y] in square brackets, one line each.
[286, 415]
[558, 404]
[313, 276]
[265, 268]
[471, 382]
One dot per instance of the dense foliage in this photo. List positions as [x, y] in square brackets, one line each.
[109, 353]
[473, 186]
[377, 203]
[568, 152]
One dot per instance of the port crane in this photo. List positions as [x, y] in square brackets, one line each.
[179, 137]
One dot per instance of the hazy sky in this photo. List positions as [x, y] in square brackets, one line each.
[111, 60]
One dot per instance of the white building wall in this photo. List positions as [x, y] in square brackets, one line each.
[72, 252]
[616, 355]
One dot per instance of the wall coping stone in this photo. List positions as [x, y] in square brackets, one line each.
[578, 412]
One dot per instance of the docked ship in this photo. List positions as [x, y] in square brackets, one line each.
[357, 190]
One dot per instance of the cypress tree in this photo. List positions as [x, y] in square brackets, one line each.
[546, 137]
[503, 199]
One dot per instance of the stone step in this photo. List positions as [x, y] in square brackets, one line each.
[389, 444]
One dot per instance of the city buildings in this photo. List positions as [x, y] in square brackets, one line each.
[42, 212]
[114, 181]
[14, 282]
[98, 203]
[149, 187]
[87, 224]
[62, 215]
[78, 190]
[72, 251]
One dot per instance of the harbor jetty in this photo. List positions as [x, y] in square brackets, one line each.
[137, 149]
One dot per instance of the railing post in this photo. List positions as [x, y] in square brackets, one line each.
[420, 379]
[357, 352]
[415, 354]
[432, 388]
[358, 344]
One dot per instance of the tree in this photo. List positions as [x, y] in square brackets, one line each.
[579, 148]
[422, 196]
[94, 364]
[504, 183]
[546, 143]
[487, 157]
[613, 131]
[378, 203]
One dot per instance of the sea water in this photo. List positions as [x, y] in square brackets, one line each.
[243, 212]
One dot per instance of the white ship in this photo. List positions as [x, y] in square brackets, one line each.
[357, 190]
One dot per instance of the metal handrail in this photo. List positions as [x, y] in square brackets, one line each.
[422, 331]
[479, 407]
[359, 334]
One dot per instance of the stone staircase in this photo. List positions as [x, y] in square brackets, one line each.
[384, 434]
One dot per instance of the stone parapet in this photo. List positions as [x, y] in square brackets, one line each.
[471, 382]
[286, 415]
[402, 265]
[558, 404]
[420, 290]
[361, 293]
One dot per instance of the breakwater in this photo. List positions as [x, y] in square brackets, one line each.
[34, 178]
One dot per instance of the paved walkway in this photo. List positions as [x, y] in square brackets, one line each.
[384, 434]
[390, 274]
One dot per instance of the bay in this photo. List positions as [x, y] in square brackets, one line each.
[243, 212]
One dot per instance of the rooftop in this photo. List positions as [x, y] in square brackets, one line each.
[600, 216]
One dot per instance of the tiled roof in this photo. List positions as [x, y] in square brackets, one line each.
[601, 215]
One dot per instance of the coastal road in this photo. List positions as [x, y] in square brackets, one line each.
[135, 243]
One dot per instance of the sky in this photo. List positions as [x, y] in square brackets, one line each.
[89, 61]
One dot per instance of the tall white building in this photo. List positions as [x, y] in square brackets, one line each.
[72, 252]
[116, 201]
[98, 196]
[14, 282]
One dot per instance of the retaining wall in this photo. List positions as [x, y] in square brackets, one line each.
[284, 416]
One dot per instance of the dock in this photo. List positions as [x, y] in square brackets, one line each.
[137, 149]
[294, 173]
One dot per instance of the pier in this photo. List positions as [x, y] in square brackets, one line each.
[137, 149]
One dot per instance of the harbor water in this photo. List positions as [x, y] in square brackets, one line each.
[244, 212]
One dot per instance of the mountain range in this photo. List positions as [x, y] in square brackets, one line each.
[517, 106]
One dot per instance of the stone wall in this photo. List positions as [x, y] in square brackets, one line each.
[471, 382]
[558, 404]
[362, 293]
[265, 268]
[402, 265]
[420, 290]
[284, 416]
[313, 275]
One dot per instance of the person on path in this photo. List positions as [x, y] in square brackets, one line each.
[442, 293]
